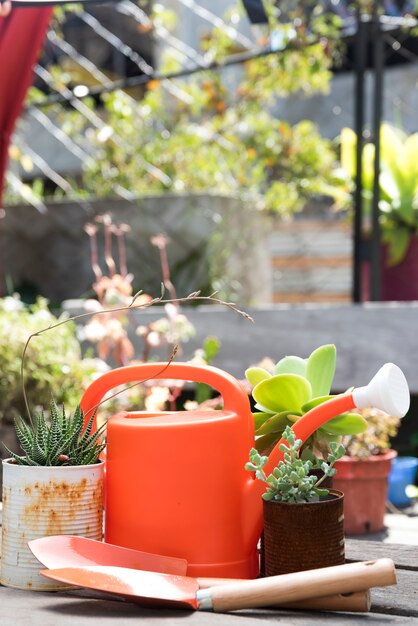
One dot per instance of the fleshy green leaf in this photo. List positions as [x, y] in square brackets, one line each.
[255, 375]
[260, 418]
[284, 392]
[345, 424]
[264, 409]
[315, 402]
[275, 424]
[291, 365]
[320, 369]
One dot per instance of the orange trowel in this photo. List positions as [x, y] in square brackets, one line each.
[184, 592]
[67, 551]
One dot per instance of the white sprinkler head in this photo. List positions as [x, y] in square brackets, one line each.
[387, 391]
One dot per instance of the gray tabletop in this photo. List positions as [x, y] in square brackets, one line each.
[391, 605]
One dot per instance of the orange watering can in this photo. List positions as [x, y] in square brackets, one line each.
[175, 481]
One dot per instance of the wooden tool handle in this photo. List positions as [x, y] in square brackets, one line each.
[298, 586]
[356, 602]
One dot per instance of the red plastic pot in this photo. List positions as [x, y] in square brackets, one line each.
[397, 282]
[365, 486]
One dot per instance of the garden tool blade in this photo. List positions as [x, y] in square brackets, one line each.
[70, 551]
[145, 588]
[183, 591]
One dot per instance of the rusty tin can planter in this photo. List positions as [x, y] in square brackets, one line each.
[40, 501]
[327, 483]
[303, 536]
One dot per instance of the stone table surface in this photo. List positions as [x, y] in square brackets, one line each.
[391, 605]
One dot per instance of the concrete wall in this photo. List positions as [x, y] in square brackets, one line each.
[218, 240]
[366, 336]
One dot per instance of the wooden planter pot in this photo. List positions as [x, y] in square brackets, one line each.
[303, 536]
[365, 486]
[41, 501]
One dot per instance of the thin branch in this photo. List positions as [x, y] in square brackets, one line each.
[140, 382]
[192, 297]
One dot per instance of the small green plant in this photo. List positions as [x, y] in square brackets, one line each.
[61, 440]
[376, 438]
[55, 365]
[296, 386]
[291, 480]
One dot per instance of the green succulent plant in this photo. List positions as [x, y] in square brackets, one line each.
[291, 480]
[296, 386]
[61, 440]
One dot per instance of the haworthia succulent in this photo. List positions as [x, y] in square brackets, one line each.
[62, 441]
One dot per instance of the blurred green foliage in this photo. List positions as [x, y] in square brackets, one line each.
[54, 365]
[216, 131]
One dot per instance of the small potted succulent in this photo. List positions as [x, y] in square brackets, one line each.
[303, 522]
[296, 386]
[55, 486]
[362, 474]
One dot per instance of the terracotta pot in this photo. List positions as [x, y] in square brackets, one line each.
[365, 485]
[40, 501]
[303, 536]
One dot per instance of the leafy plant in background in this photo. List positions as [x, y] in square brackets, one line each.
[216, 137]
[296, 386]
[55, 364]
[215, 130]
[398, 182]
[291, 480]
[61, 440]
[381, 427]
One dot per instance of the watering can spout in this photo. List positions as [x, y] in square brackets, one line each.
[387, 391]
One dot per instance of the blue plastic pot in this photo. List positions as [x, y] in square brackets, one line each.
[401, 475]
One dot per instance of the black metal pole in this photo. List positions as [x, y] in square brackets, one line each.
[378, 66]
[360, 66]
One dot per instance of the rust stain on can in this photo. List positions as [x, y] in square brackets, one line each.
[58, 501]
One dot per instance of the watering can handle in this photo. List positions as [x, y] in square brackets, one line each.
[234, 396]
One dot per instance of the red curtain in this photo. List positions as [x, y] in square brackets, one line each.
[21, 36]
